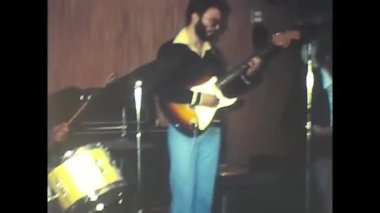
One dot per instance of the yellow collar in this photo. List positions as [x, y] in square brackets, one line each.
[183, 38]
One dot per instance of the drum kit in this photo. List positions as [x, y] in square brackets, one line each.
[85, 178]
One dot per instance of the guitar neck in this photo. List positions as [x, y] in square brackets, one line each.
[239, 70]
[266, 51]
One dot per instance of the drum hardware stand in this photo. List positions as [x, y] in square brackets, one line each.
[138, 94]
[309, 86]
[50, 196]
[123, 131]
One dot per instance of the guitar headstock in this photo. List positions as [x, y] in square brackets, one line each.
[283, 39]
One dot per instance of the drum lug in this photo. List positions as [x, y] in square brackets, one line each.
[120, 201]
[99, 164]
[61, 189]
[93, 197]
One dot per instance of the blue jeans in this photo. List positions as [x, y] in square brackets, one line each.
[193, 168]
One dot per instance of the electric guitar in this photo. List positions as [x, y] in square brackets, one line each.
[195, 119]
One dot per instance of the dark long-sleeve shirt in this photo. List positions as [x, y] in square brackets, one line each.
[171, 75]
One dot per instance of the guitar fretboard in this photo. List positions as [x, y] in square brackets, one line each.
[239, 70]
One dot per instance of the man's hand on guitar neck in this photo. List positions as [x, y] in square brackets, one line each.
[281, 39]
[253, 66]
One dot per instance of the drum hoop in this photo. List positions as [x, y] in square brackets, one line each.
[100, 192]
[75, 151]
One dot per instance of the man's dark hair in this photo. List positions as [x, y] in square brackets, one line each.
[200, 6]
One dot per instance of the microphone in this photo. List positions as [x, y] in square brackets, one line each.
[308, 52]
[138, 94]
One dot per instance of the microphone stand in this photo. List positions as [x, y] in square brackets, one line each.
[138, 94]
[309, 85]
